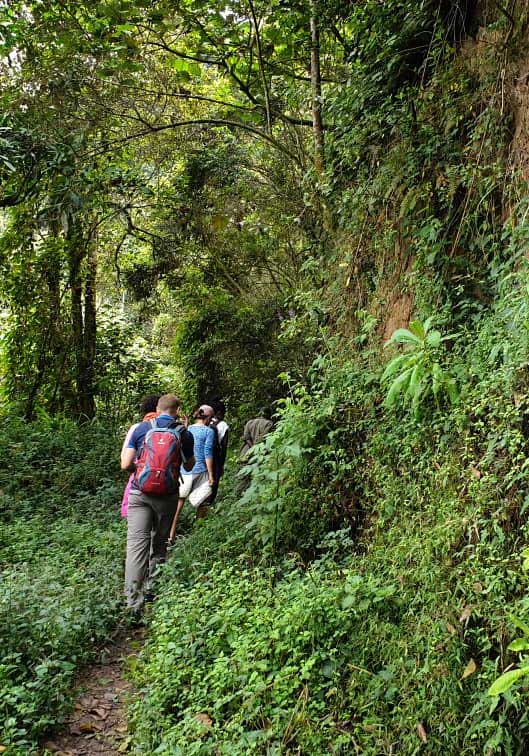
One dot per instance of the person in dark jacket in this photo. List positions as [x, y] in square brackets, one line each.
[220, 446]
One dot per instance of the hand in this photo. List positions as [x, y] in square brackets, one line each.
[211, 482]
[185, 420]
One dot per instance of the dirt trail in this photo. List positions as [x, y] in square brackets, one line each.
[97, 725]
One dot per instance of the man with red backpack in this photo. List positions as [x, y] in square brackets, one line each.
[154, 451]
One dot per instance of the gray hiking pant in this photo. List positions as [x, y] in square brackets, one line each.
[148, 524]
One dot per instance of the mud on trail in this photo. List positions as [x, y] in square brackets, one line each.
[97, 724]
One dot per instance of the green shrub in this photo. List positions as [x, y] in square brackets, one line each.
[304, 476]
[57, 467]
[239, 648]
[61, 596]
[416, 374]
[249, 660]
[60, 567]
[231, 349]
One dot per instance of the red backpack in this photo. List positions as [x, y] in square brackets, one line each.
[158, 463]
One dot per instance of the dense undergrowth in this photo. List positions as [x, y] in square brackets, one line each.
[271, 638]
[360, 596]
[60, 564]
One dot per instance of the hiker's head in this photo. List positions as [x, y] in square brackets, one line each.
[149, 403]
[205, 413]
[219, 409]
[265, 412]
[168, 404]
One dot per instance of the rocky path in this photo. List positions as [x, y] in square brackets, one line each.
[98, 724]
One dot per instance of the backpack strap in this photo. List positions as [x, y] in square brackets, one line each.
[152, 423]
[175, 426]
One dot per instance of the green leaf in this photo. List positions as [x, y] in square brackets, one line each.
[293, 450]
[394, 365]
[348, 600]
[427, 323]
[403, 336]
[397, 386]
[452, 390]
[438, 377]
[503, 683]
[519, 624]
[451, 336]
[416, 399]
[417, 328]
[433, 339]
[415, 381]
[520, 644]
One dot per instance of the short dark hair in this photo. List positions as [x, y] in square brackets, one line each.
[218, 406]
[149, 403]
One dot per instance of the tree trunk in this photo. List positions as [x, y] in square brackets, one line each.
[315, 80]
[83, 322]
[60, 381]
[262, 71]
[90, 331]
[51, 348]
[76, 318]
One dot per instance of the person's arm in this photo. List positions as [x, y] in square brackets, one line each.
[211, 472]
[224, 446]
[127, 459]
[128, 450]
[128, 436]
[208, 454]
[247, 434]
[189, 463]
[247, 440]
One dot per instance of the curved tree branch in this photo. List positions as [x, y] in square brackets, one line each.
[214, 122]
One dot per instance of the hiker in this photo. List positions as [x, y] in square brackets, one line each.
[148, 412]
[198, 483]
[220, 447]
[155, 450]
[255, 430]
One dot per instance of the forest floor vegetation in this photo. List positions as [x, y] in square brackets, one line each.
[61, 568]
